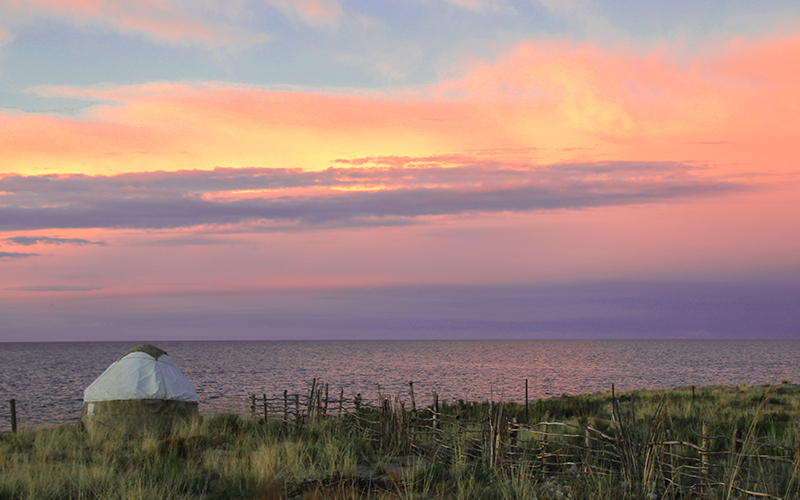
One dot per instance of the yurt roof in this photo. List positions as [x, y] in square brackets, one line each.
[144, 372]
[146, 348]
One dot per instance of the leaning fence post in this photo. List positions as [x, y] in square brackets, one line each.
[13, 404]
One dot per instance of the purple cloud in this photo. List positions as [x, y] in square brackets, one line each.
[30, 240]
[16, 255]
[58, 288]
[402, 193]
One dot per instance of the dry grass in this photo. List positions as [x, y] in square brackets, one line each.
[234, 457]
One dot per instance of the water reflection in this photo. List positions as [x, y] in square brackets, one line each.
[48, 379]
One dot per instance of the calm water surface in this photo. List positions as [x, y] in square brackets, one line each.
[47, 379]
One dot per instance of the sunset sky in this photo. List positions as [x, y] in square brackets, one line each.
[326, 169]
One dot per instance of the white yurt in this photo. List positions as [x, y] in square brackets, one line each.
[142, 391]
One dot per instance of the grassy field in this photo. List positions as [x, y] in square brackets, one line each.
[239, 457]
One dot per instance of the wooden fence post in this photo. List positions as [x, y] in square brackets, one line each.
[411, 392]
[737, 441]
[587, 443]
[253, 405]
[513, 438]
[796, 453]
[668, 471]
[13, 404]
[488, 436]
[310, 410]
[527, 415]
[357, 404]
[704, 463]
[386, 426]
[341, 400]
[325, 409]
[435, 413]
[266, 408]
[543, 456]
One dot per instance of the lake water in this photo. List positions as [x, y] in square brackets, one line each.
[47, 379]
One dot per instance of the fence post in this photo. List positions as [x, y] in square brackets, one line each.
[318, 403]
[668, 471]
[341, 400]
[543, 455]
[513, 439]
[285, 406]
[796, 451]
[704, 464]
[587, 443]
[411, 392]
[310, 410]
[527, 415]
[266, 408]
[386, 426]
[325, 409]
[357, 404]
[435, 414]
[297, 418]
[488, 436]
[13, 404]
[253, 405]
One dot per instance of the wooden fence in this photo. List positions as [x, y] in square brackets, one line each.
[646, 459]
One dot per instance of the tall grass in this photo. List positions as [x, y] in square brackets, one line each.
[233, 457]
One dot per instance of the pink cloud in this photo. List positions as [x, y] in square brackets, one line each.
[5, 37]
[312, 12]
[484, 5]
[164, 20]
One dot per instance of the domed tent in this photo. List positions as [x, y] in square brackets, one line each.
[142, 391]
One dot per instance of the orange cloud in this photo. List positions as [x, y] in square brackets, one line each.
[734, 106]
[733, 103]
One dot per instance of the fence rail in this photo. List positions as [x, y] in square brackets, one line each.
[648, 460]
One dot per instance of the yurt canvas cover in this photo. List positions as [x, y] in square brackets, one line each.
[142, 390]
